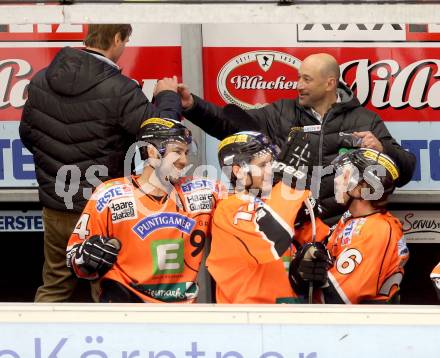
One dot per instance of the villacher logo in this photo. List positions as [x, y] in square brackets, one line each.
[252, 79]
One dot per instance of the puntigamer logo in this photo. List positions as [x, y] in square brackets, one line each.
[252, 79]
[163, 220]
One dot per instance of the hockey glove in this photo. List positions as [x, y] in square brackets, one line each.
[310, 263]
[97, 255]
[304, 214]
[293, 164]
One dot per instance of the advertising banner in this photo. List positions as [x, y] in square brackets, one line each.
[21, 221]
[419, 226]
[26, 49]
[107, 340]
[390, 71]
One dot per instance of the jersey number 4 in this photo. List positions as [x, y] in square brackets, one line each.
[81, 226]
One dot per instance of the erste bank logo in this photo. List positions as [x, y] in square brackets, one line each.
[253, 79]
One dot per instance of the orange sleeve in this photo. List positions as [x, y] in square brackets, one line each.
[93, 221]
[265, 229]
[242, 226]
[286, 201]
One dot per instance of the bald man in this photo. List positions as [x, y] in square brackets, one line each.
[325, 108]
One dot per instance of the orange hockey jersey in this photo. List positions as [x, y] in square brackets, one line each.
[162, 240]
[252, 247]
[369, 254]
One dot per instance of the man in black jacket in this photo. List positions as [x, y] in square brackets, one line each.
[79, 120]
[325, 108]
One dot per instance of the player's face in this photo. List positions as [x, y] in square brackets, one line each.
[346, 184]
[175, 160]
[311, 85]
[342, 179]
[179, 152]
[260, 169]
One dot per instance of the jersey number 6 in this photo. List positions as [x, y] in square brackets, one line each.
[347, 261]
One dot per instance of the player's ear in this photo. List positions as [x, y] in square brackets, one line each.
[332, 83]
[152, 152]
[117, 39]
[236, 170]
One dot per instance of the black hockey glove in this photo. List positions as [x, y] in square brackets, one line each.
[303, 215]
[310, 263]
[97, 254]
[293, 164]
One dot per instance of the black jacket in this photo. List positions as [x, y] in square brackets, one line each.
[82, 111]
[277, 118]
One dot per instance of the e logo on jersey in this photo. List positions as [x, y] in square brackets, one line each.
[163, 220]
[167, 256]
[252, 79]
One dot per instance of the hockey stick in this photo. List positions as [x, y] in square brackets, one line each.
[312, 220]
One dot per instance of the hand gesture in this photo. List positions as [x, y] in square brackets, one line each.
[185, 96]
[166, 84]
[369, 140]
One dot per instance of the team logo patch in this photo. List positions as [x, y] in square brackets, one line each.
[123, 209]
[116, 191]
[197, 184]
[164, 220]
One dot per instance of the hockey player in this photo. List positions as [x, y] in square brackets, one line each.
[435, 277]
[143, 236]
[367, 246]
[252, 234]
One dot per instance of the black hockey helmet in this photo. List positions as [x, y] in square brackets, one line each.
[365, 160]
[161, 131]
[242, 147]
